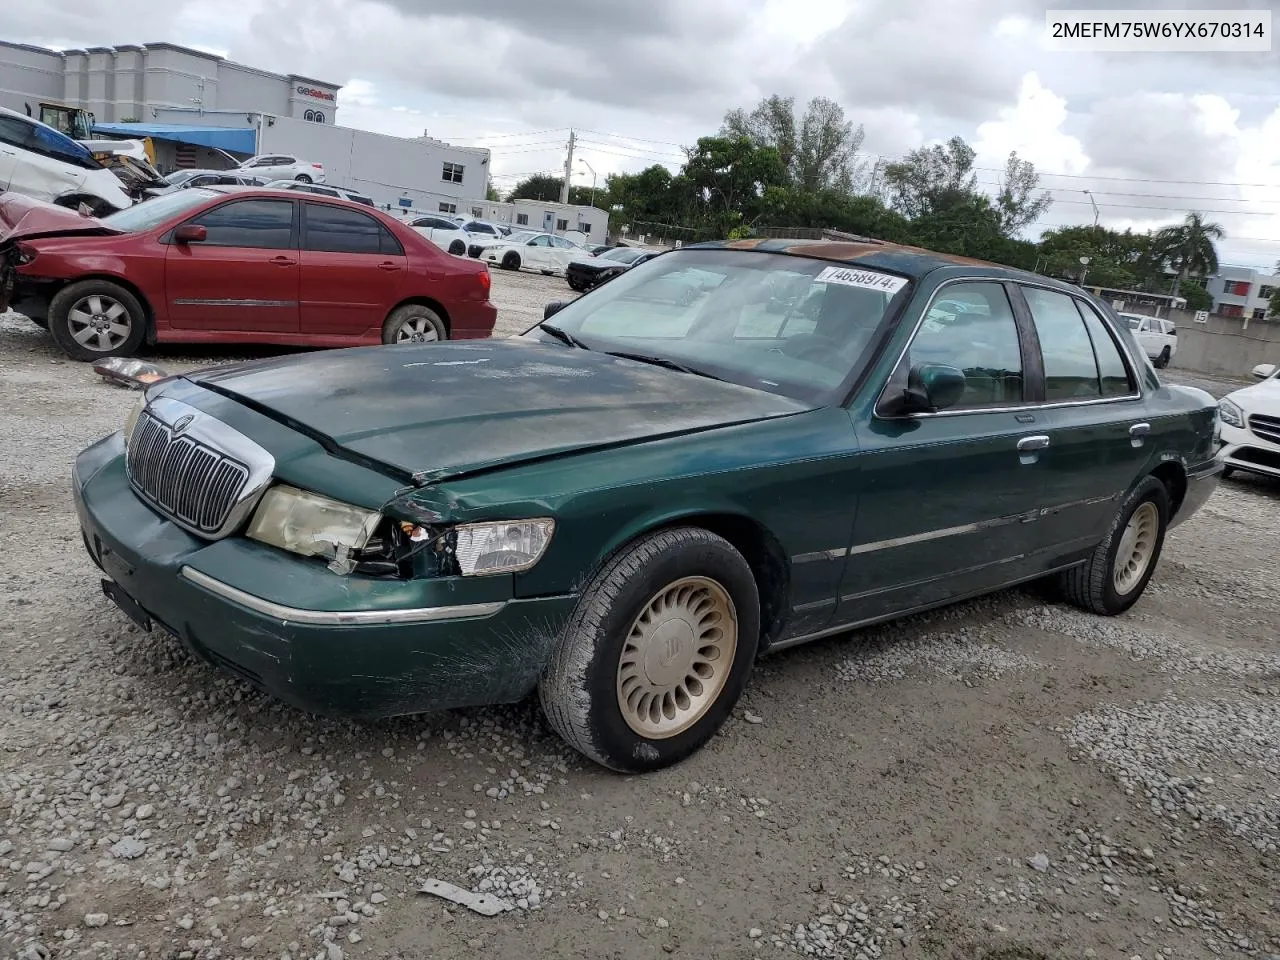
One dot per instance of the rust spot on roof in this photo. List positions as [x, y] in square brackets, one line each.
[744, 244]
[837, 249]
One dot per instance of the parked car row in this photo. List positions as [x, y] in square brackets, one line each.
[583, 273]
[233, 264]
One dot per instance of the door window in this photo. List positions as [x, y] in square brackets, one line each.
[14, 132]
[331, 229]
[1070, 368]
[543, 241]
[971, 326]
[1111, 366]
[561, 242]
[259, 224]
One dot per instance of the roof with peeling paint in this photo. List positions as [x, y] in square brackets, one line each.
[910, 261]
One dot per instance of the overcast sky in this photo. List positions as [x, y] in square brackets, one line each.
[1151, 135]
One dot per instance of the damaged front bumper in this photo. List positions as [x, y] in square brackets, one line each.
[338, 646]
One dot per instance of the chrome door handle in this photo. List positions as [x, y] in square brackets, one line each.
[1032, 443]
[1139, 429]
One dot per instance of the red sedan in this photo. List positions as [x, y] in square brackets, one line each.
[234, 265]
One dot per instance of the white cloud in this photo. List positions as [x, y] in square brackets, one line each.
[1032, 127]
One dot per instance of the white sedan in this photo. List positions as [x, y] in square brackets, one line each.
[446, 234]
[534, 251]
[1251, 425]
[276, 166]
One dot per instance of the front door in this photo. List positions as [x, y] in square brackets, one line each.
[353, 271]
[537, 253]
[1100, 440]
[243, 276]
[948, 501]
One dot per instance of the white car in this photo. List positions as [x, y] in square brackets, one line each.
[43, 163]
[534, 251]
[445, 233]
[1250, 419]
[278, 166]
[1159, 338]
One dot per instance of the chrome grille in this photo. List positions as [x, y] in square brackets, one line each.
[1268, 428]
[183, 478]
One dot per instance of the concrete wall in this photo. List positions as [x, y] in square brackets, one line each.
[1221, 346]
[28, 75]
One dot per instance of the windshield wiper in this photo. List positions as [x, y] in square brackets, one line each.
[564, 336]
[664, 362]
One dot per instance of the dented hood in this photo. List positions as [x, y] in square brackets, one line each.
[25, 218]
[440, 410]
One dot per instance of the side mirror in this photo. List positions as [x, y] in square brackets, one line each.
[930, 387]
[190, 233]
[1264, 370]
[554, 307]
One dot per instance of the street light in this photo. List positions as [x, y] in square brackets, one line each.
[1084, 262]
[593, 179]
[1095, 206]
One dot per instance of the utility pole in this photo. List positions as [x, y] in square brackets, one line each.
[568, 170]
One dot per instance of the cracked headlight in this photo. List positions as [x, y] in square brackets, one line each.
[506, 547]
[131, 420]
[311, 525]
[1230, 413]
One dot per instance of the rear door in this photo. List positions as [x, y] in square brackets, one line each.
[243, 276]
[353, 271]
[1099, 438]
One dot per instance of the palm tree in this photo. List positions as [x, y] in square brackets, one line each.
[1188, 248]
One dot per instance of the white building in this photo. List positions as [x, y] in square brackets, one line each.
[1242, 292]
[197, 108]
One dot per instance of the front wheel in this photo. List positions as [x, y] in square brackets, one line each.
[1117, 573]
[656, 653]
[414, 323]
[511, 261]
[1162, 361]
[457, 248]
[94, 319]
[302, 178]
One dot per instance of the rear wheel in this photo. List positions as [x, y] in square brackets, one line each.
[414, 323]
[1227, 471]
[457, 248]
[302, 178]
[511, 260]
[94, 319]
[1162, 361]
[656, 653]
[1118, 572]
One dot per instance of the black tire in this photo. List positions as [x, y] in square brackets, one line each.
[1091, 586]
[548, 273]
[302, 178]
[580, 688]
[1162, 361]
[575, 285]
[457, 248]
[1227, 471]
[63, 326]
[414, 323]
[511, 260]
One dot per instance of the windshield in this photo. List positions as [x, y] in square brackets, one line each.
[520, 236]
[150, 213]
[180, 176]
[622, 255]
[789, 325]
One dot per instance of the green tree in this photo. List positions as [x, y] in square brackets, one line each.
[540, 186]
[929, 179]
[491, 194]
[1017, 204]
[1188, 249]
[964, 223]
[819, 149]
[1273, 308]
[729, 177]
[1119, 260]
[1197, 297]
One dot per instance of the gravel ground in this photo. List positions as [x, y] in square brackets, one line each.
[1004, 779]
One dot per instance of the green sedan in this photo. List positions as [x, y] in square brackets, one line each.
[731, 449]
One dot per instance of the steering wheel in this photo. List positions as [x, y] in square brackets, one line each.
[812, 347]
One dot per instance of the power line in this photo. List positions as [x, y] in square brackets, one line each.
[500, 136]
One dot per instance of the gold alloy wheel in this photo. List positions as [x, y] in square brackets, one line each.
[677, 657]
[1137, 547]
